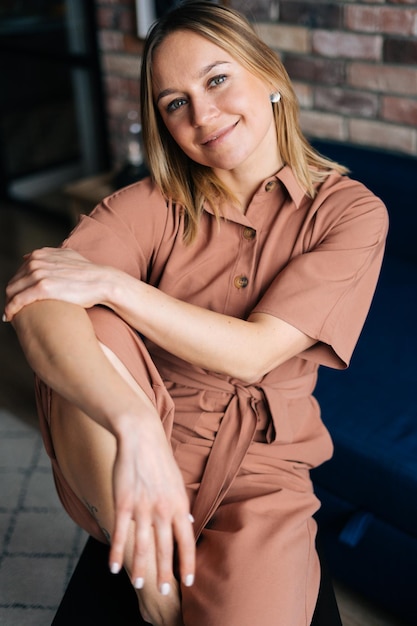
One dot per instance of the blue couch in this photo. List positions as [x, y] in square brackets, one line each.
[368, 490]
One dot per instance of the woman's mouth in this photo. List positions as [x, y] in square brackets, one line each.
[219, 135]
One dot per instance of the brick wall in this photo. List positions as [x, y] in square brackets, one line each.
[354, 66]
[120, 60]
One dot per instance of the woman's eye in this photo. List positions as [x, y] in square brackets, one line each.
[176, 104]
[217, 80]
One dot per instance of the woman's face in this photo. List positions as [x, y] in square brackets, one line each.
[218, 112]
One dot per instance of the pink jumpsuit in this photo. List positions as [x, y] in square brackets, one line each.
[245, 450]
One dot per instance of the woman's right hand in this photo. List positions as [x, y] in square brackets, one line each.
[58, 274]
[148, 488]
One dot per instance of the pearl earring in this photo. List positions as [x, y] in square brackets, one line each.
[275, 96]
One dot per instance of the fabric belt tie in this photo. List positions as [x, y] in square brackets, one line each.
[237, 427]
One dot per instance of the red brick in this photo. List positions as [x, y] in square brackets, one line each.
[315, 69]
[400, 110]
[119, 108]
[106, 18]
[116, 18]
[402, 1]
[123, 65]
[132, 44]
[304, 95]
[126, 88]
[254, 9]
[398, 21]
[383, 135]
[349, 45]
[323, 125]
[346, 102]
[113, 85]
[383, 78]
[313, 15]
[362, 18]
[381, 19]
[399, 50]
[110, 40]
[127, 21]
[281, 37]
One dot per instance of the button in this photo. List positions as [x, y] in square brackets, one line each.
[270, 186]
[249, 233]
[241, 282]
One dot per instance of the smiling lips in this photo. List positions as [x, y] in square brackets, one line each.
[220, 135]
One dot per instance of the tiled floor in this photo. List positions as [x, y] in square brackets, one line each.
[39, 543]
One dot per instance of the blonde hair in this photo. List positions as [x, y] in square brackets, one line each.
[185, 181]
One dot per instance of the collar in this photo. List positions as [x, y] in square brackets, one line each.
[286, 177]
[291, 184]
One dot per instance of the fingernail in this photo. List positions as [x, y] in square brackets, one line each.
[189, 580]
[191, 518]
[115, 568]
[139, 582]
[4, 318]
[165, 588]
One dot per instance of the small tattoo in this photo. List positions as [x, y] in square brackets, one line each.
[93, 509]
[94, 512]
[106, 533]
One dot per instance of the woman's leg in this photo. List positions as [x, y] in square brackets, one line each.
[85, 453]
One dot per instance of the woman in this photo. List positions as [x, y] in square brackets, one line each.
[246, 260]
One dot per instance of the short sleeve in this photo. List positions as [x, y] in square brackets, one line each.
[124, 231]
[327, 290]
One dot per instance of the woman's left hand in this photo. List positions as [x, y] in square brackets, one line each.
[57, 274]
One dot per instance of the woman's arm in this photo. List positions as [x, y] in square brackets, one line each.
[243, 349]
[221, 343]
[60, 345]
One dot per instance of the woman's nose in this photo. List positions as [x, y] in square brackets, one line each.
[203, 110]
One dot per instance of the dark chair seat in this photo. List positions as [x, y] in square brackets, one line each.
[95, 596]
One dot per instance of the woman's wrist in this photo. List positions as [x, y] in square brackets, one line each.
[121, 293]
